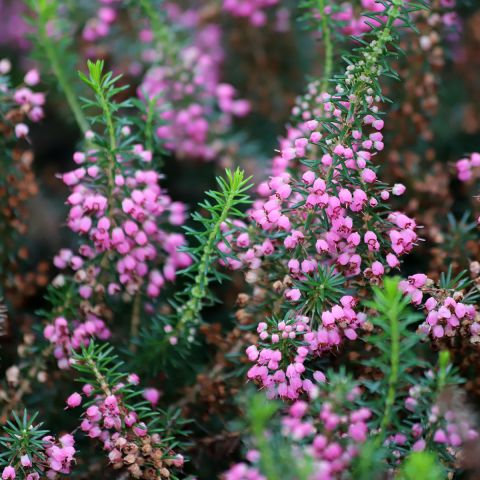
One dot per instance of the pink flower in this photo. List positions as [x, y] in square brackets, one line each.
[21, 130]
[377, 269]
[32, 77]
[8, 473]
[419, 445]
[74, 400]
[398, 189]
[152, 395]
[293, 294]
[368, 175]
[440, 436]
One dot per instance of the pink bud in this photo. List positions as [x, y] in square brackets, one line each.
[440, 436]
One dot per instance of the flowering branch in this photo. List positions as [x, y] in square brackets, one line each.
[129, 429]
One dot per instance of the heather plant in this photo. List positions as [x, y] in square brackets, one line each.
[322, 236]
[315, 320]
[194, 109]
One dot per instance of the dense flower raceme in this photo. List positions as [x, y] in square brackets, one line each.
[253, 10]
[434, 419]
[200, 108]
[326, 438]
[443, 427]
[57, 457]
[14, 31]
[317, 238]
[351, 20]
[125, 215]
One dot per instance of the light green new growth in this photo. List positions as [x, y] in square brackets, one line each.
[103, 87]
[422, 466]
[443, 364]
[390, 303]
[260, 412]
[231, 194]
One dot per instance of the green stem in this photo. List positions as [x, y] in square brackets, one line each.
[149, 123]
[444, 359]
[112, 140]
[394, 371]
[135, 320]
[327, 41]
[100, 379]
[51, 52]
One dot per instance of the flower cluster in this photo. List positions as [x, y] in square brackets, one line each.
[466, 167]
[59, 457]
[99, 26]
[200, 107]
[349, 19]
[440, 422]
[125, 214]
[353, 20]
[253, 10]
[69, 337]
[446, 428]
[334, 441]
[302, 341]
[446, 314]
[14, 28]
[243, 471]
[30, 103]
[20, 105]
[324, 436]
[121, 426]
[445, 318]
